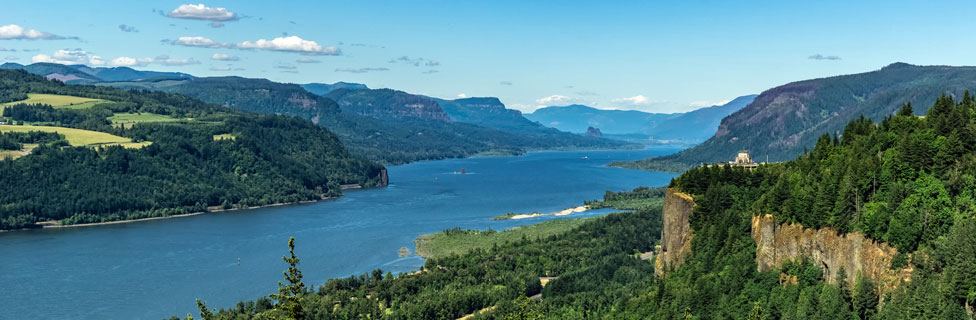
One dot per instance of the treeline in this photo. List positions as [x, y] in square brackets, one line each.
[272, 159]
[16, 140]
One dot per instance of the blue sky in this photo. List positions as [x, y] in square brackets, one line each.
[658, 56]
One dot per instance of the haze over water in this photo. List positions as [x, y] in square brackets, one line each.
[155, 269]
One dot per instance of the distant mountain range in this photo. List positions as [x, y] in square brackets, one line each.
[689, 127]
[82, 74]
[782, 121]
[386, 125]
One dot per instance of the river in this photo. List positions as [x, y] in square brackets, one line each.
[156, 269]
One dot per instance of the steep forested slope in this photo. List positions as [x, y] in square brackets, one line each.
[202, 156]
[782, 121]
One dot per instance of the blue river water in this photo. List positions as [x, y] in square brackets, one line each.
[156, 269]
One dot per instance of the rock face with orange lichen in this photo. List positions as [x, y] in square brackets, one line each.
[676, 232]
[778, 243]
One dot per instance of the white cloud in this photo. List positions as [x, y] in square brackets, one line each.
[220, 69]
[78, 56]
[554, 99]
[130, 62]
[706, 103]
[15, 32]
[201, 12]
[290, 44]
[635, 100]
[69, 56]
[462, 95]
[224, 57]
[199, 42]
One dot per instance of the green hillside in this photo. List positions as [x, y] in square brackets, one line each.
[180, 167]
[785, 120]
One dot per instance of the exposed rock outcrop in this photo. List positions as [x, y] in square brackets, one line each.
[778, 243]
[593, 132]
[676, 231]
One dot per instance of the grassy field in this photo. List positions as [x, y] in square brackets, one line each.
[460, 241]
[57, 101]
[78, 137]
[128, 119]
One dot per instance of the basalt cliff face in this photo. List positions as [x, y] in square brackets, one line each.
[676, 232]
[778, 243]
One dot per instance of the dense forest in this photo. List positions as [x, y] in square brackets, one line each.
[185, 168]
[907, 181]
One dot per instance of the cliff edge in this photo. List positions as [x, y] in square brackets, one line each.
[676, 232]
[778, 243]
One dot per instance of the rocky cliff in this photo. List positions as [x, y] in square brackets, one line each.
[676, 232]
[777, 243]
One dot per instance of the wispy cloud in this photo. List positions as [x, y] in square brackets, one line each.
[637, 100]
[505, 83]
[360, 70]
[224, 57]
[286, 67]
[198, 42]
[79, 56]
[416, 62]
[307, 60]
[430, 72]
[557, 100]
[11, 58]
[127, 28]
[15, 32]
[823, 57]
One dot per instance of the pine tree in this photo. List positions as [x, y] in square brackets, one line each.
[289, 296]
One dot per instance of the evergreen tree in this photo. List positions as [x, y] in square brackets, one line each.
[289, 295]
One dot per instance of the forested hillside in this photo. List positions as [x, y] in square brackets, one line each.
[785, 120]
[392, 136]
[177, 155]
[907, 181]
[384, 125]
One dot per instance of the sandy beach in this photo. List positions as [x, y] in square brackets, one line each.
[564, 212]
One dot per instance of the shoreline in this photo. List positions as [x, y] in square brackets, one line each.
[53, 224]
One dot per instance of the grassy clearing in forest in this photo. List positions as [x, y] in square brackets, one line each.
[79, 137]
[56, 100]
[459, 241]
